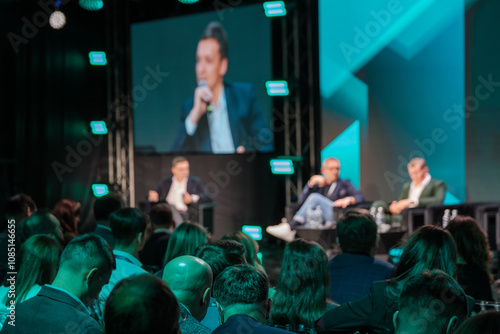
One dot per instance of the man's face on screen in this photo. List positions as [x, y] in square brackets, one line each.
[210, 66]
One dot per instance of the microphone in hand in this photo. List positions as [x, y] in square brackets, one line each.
[207, 101]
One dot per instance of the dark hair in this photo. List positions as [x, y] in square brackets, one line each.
[184, 240]
[433, 297]
[178, 159]
[485, 323]
[18, 204]
[221, 254]
[251, 247]
[472, 243]
[88, 251]
[105, 205]
[41, 222]
[67, 212]
[241, 284]
[357, 232]
[126, 224]
[141, 304]
[302, 289]
[215, 30]
[36, 263]
[430, 247]
[161, 214]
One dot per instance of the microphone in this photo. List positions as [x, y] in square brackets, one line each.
[210, 107]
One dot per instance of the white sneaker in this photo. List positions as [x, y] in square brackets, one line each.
[282, 231]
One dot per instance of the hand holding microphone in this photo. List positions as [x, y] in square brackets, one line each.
[202, 97]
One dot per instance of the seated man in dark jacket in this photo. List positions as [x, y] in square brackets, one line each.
[326, 191]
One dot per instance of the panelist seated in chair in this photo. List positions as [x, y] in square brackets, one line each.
[423, 190]
[326, 191]
[181, 191]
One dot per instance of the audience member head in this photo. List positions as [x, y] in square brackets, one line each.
[357, 232]
[431, 302]
[487, 322]
[68, 213]
[40, 222]
[85, 267]
[221, 254]
[105, 205]
[190, 279]
[161, 216]
[417, 169]
[141, 304]
[472, 243]
[180, 168]
[36, 264]
[251, 247]
[184, 240]
[303, 283]
[242, 289]
[429, 248]
[130, 229]
[18, 207]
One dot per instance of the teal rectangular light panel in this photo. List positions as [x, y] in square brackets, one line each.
[255, 232]
[100, 190]
[97, 58]
[274, 8]
[282, 166]
[98, 127]
[277, 88]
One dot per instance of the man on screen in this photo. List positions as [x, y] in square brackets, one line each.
[223, 116]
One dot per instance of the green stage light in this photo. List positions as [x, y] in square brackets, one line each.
[91, 5]
[98, 127]
[282, 166]
[188, 2]
[255, 232]
[97, 58]
[274, 8]
[259, 256]
[277, 88]
[100, 189]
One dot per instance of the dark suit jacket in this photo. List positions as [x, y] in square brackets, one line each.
[52, 311]
[248, 128]
[352, 275]
[344, 188]
[189, 325]
[433, 193]
[244, 324]
[154, 250]
[194, 186]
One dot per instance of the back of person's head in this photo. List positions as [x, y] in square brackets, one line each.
[357, 232]
[221, 254]
[41, 222]
[243, 288]
[161, 215]
[430, 247]
[251, 247]
[487, 322]
[472, 243]
[141, 304]
[190, 279]
[127, 225]
[215, 30]
[184, 240]
[303, 283]
[105, 205]
[36, 263]
[19, 206]
[430, 302]
[86, 252]
[68, 213]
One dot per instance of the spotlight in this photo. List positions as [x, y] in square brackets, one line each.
[57, 19]
[100, 189]
[255, 232]
[277, 88]
[91, 5]
[188, 2]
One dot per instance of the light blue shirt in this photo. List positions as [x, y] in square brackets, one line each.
[221, 138]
